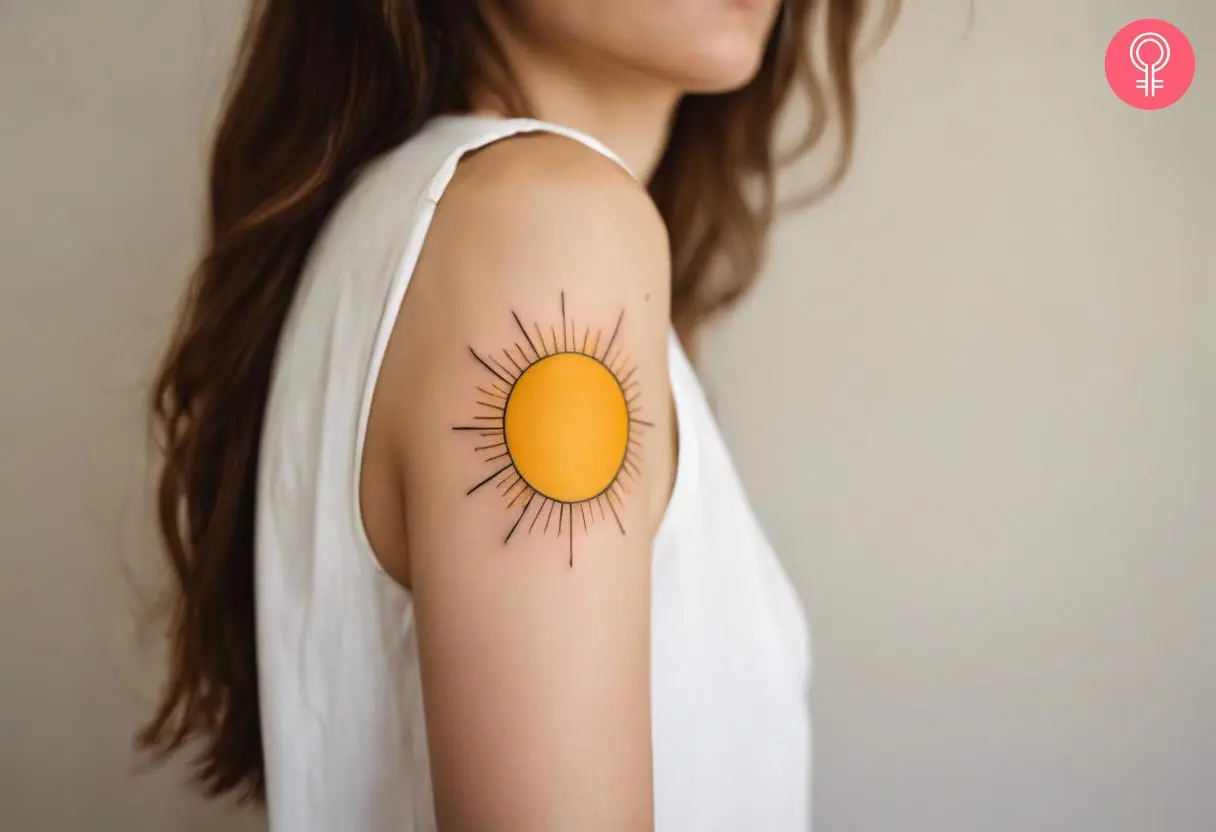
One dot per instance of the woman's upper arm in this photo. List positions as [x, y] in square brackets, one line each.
[534, 354]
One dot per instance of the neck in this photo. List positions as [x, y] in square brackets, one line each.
[631, 115]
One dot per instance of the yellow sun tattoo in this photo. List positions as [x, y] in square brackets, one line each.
[561, 420]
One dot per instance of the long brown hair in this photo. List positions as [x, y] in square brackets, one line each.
[321, 88]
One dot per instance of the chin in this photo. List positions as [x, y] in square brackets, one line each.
[721, 79]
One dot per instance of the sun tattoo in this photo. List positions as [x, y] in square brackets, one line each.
[559, 420]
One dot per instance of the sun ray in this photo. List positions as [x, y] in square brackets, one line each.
[586, 335]
[491, 394]
[524, 356]
[520, 517]
[616, 331]
[536, 517]
[520, 496]
[561, 510]
[549, 516]
[625, 378]
[642, 422]
[563, 295]
[487, 479]
[491, 406]
[619, 524]
[490, 447]
[504, 379]
[498, 364]
[515, 485]
[524, 330]
[539, 335]
[514, 363]
[582, 509]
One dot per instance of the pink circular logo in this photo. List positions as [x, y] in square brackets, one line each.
[1150, 64]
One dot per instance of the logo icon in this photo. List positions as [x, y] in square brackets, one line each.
[1150, 64]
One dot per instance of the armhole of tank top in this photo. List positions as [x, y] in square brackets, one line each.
[423, 214]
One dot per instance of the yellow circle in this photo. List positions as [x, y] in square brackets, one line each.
[567, 427]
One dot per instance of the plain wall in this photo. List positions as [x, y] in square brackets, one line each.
[973, 401]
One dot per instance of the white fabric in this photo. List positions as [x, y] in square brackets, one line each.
[341, 699]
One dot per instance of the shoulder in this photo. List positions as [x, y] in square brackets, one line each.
[533, 170]
[541, 205]
[536, 229]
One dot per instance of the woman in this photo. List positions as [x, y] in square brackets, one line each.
[499, 493]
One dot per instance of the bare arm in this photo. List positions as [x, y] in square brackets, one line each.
[535, 438]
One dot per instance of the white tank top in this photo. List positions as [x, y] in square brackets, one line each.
[341, 698]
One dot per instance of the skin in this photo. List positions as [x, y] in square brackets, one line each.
[536, 673]
[617, 70]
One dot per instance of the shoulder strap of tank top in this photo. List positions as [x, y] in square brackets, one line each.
[595, 144]
[485, 130]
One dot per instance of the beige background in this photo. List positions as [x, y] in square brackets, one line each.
[974, 403]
